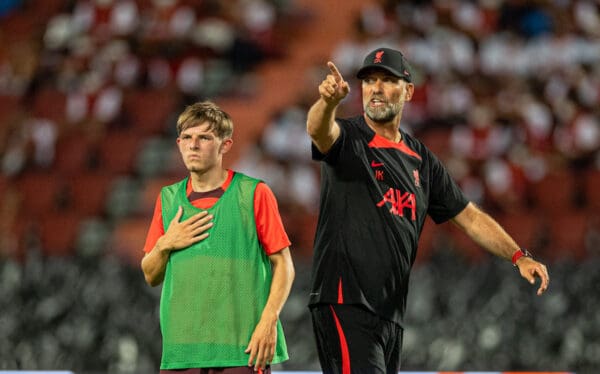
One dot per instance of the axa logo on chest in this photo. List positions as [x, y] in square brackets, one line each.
[399, 201]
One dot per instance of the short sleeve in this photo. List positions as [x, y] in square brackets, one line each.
[332, 155]
[156, 229]
[446, 199]
[269, 226]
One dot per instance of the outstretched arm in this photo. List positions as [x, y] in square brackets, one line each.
[485, 231]
[179, 235]
[264, 338]
[320, 124]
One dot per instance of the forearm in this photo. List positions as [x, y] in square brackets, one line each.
[320, 124]
[486, 232]
[281, 284]
[320, 118]
[154, 264]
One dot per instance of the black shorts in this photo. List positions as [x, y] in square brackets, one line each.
[351, 339]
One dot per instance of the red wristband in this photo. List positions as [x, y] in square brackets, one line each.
[518, 254]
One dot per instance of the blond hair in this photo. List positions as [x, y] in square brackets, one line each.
[206, 112]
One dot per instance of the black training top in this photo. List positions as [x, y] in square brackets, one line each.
[375, 195]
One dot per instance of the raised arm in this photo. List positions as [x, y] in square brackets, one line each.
[320, 124]
[485, 231]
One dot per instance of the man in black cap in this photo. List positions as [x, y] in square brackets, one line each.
[378, 185]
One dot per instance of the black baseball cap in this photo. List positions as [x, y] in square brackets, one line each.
[387, 59]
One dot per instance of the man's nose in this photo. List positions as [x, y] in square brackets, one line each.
[194, 143]
[378, 85]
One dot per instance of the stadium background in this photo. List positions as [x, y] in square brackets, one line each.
[507, 96]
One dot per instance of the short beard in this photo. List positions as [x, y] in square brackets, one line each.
[383, 114]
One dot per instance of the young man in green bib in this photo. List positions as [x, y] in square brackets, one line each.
[218, 246]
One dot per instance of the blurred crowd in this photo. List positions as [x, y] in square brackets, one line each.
[507, 95]
[76, 76]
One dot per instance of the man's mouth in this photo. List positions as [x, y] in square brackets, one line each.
[377, 102]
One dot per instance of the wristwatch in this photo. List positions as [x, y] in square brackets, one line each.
[522, 252]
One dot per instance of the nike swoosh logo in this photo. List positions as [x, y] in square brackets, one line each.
[376, 164]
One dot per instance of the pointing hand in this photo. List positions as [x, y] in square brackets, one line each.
[334, 88]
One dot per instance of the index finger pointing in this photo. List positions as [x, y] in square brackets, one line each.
[334, 71]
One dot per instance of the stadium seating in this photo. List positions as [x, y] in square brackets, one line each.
[118, 151]
[88, 192]
[592, 188]
[58, 233]
[147, 111]
[75, 153]
[555, 193]
[40, 193]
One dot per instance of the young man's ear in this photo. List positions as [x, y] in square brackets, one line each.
[226, 145]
